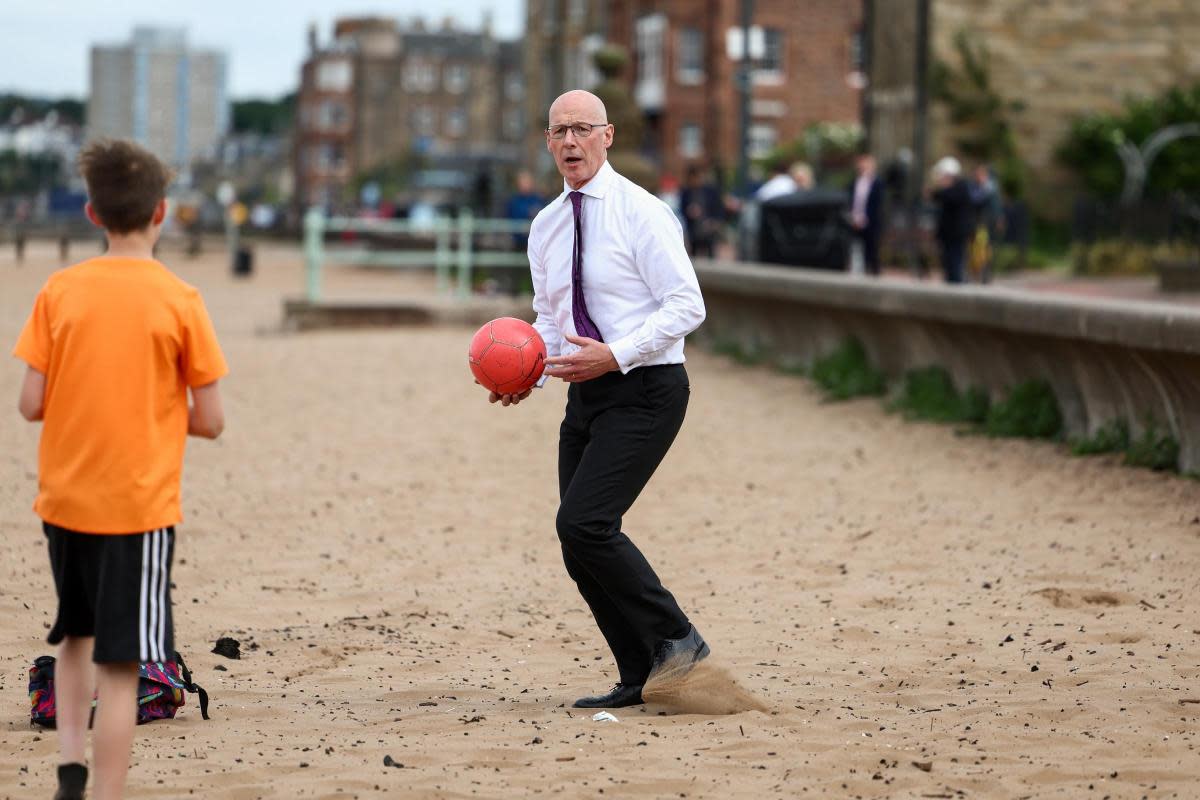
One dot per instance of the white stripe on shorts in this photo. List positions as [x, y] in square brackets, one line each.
[153, 595]
[163, 609]
[143, 644]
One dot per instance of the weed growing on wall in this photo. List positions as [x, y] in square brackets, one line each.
[929, 393]
[1111, 437]
[1155, 449]
[847, 372]
[1030, 411]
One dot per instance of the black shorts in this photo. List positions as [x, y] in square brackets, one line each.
[116, 588]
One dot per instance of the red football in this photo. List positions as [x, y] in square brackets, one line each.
[507, 355]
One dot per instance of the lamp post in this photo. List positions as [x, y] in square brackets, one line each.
[745, 86]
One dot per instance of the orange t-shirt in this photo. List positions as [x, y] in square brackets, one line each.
[119, 341]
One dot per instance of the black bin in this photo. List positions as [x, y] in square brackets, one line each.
[243, 262]
[805, 229]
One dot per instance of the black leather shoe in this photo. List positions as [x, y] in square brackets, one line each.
[621, 696]
[679, 653]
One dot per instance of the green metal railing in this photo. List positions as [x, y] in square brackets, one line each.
[455, 250]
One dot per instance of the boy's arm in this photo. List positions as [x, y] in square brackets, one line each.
[206, 417]
[33, 394]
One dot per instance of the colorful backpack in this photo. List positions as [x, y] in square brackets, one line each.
[161, 687]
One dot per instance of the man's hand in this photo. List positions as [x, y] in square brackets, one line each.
[592, 360]
[508, 399]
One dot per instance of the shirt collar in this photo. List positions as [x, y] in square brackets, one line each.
[597, 186]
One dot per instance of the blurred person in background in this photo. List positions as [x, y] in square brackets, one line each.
[802, 176]
[779, 184]
[703, 213]
[955, 217]
[866, 210]
[989, 222]
[524, 205]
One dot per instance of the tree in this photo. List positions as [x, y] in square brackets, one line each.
[1090, 147]
[28, 108]
[979, 114]
[266, 117]
[625, 117]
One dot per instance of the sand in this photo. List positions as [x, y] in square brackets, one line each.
[921, 614]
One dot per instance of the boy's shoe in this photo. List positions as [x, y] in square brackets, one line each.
[72, 780]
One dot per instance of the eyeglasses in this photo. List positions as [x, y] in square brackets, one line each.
[582, 130]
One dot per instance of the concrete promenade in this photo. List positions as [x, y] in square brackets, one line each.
[1106, 359]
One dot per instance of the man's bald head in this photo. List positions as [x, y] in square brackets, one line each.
[578, 136]
[581, 105]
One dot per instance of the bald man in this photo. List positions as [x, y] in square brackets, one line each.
[615, 295]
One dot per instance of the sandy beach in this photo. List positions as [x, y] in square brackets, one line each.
[922, 614]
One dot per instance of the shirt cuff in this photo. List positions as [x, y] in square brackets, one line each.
[626, 354]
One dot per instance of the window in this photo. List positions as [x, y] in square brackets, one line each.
[456, 122]
[456, 78]
[334, 76]
[689, 56]
[772, 62]
[648, 89]
[513, 119]
[580, 62]
[762, 140]
[419, 75]
[324, 157]
[514, 86]
[331, 115]
[858, 50]
[691, 140]
[423, 121]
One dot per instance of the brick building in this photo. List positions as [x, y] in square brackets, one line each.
[1061, 60]
[685, 82]
[382, 92]
[683, 79]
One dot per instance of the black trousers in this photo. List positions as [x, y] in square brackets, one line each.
[616, 430]
[870, 244]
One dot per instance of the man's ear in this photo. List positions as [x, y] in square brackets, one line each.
[609, 133]
[160, 212]
[91, 214]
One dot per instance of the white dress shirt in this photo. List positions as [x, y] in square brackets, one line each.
[638, 282]
[777, 186]
[862, 189]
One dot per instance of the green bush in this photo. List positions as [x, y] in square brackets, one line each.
[1111, 437]
[846, 373]
[1155, 449]
[1089, 148]
[827, 147]
[1030, 411]
[929, 393]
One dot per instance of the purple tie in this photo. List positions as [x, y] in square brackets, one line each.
[583, 323]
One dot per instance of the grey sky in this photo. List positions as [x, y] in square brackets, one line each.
[46, 42]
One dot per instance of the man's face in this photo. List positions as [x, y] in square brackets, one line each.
[866, 165]
[578, 158]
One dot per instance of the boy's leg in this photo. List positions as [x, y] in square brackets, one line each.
[116, 717]
[133, 623]
[72, 559]
[74, 683]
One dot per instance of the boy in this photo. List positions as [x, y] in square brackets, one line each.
[112, 346]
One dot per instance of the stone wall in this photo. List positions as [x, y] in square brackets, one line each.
[1062, 59]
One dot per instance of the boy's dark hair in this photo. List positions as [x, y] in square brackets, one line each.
[124, 183]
